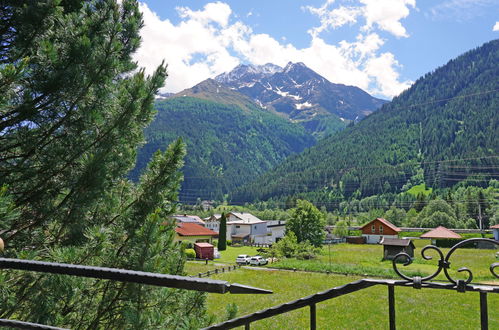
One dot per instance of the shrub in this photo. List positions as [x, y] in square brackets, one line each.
[229, 242]
[190, 253]
[187, 245]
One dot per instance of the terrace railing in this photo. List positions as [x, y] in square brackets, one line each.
[416, 282]
[217, 286]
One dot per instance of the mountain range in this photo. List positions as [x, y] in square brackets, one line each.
[234, 134]
[441, 131]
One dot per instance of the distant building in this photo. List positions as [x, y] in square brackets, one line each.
[276, 229]
[495, 230]
[243, 227]
[213, 222]
[378, 229]
[188, 219]
[440, 233]
[394, 246]
[194, 233]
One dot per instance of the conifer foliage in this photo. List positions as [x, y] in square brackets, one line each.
[73, 107]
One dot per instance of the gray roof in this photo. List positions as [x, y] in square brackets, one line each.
[396, 242]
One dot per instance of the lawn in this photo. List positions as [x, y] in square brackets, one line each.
[365, 309]
[366, 260]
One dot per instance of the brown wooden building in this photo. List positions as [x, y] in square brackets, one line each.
[394, 246]
[378, 229]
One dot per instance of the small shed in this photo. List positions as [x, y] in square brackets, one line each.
[204, 250]
[394, 246]
[495, 230]
[440, 233]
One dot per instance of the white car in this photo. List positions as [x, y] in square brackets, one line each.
[258, 261]
[243, 259]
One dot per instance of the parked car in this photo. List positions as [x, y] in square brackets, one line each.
[243, 259]
[257, 261]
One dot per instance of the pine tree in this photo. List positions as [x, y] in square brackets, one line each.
[222, 234]
[73, 107]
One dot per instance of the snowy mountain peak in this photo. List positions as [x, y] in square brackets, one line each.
[248, 73]
[293, 66]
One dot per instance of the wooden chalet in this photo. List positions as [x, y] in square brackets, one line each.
[379, 228]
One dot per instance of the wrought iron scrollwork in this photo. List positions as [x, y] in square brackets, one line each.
[443, 264]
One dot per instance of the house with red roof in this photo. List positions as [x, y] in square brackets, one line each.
[374, 231]
[192, 232]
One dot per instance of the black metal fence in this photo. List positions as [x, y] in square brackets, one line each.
[415, 282]
[217, 286]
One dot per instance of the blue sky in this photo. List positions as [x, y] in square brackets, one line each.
[381, 46]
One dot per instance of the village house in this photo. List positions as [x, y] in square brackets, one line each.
[440, 233]
[213, 222]
[194, 233]
[394, 246]
[184, 218]
[374, 231]
[243, 227]
[276, 229]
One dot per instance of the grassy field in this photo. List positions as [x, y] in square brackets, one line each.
[366, 260]
[421, 188]
[365, 309]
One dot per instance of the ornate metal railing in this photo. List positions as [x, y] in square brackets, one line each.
[218, 286]
[416, 282]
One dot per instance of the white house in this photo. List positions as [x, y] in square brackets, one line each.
[213, 222]
[246, 228]
[276, 229]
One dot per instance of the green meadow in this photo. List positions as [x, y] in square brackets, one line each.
[366, 309]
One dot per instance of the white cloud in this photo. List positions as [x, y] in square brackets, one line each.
[386, 14]
[496, 27]
[460, 10]
[206, 43]
[383, 14]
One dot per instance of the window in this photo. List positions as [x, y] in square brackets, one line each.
[381, 229]
[373, 229]
[238, 226]
[255, 227]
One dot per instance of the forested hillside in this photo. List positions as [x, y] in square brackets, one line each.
[226, 144]
[441, 131]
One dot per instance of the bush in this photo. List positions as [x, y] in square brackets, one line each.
[190, 253]
[187, 245]
[229, 242]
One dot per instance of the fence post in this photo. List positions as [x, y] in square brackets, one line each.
[313, 320]
[391, 306]
[484, 318]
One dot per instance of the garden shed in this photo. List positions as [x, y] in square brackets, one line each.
[204, 250]
[394, 246]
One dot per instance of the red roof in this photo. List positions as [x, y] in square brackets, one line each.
[440, 232]
[385, 222]
[494, 226]
[192, 229]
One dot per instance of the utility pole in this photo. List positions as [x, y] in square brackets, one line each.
[480, 215]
